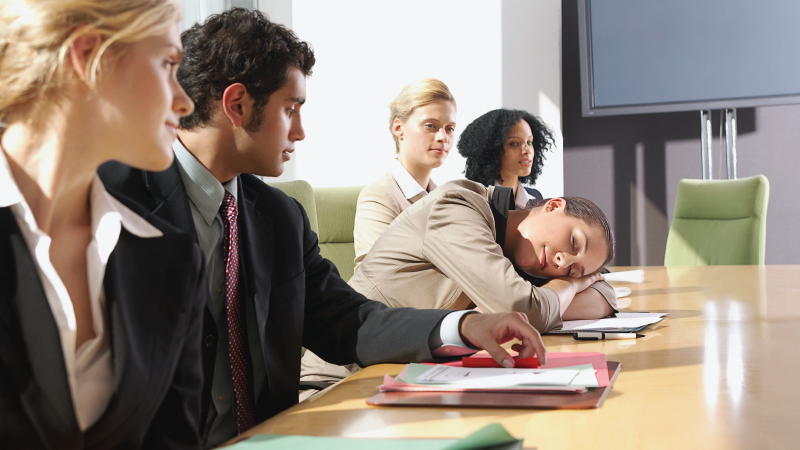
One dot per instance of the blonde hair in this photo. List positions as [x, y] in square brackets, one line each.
[417, 94]
[36, 35]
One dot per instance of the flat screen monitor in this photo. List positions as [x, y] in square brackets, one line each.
[648, 56]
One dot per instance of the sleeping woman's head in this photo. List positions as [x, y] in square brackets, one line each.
[98, 70]
[558, 237]
[505, 146]
[422, 121]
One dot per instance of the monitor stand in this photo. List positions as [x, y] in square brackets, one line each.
[729, 127]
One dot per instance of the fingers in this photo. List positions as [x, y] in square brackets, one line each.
[488, 331]
[583, 283]
[531, 344]
[499, 354]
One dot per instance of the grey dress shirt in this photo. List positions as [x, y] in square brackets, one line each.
[205, 198]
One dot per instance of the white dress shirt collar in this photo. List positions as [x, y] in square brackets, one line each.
[408, 185]
[522, 197]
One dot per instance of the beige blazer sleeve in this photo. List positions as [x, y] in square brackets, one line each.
[460, 244]
[607, 292]
[378, 205]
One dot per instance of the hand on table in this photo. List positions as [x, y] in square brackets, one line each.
[488, 331]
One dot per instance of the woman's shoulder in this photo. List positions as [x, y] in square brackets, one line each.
[382, 191]
[457, 193]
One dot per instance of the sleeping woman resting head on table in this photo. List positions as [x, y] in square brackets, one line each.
[466, 245]
[101, 308]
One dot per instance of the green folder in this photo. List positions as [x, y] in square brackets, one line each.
[492, 436]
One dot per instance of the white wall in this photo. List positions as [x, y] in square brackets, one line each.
[532, 75]
[490, 53]
[367, 51]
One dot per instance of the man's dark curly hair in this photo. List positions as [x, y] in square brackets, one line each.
[482, 141]
[238, 46]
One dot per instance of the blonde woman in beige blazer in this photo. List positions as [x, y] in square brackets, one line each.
[466, 245]
[379, 204]
[422, 123]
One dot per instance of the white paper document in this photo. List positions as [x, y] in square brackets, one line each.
[631, 276]
[496, 377]
[622, 291]
[622, 320]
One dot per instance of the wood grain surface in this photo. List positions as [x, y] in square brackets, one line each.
[721, 372]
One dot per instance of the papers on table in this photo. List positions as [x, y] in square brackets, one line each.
[554, 360]
[623, 322]
[630, 276]
[581, 377]
[495, 377]
[622, 291]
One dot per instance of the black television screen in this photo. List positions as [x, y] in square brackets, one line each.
[646, 56]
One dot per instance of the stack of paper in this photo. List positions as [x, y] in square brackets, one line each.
[441, 378]
[554, 360]
[623, 322]
[630, 276]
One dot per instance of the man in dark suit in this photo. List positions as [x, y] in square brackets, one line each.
[246, 76]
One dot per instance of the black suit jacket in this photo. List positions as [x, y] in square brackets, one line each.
[533, 192]
[299, 298]
[155, 291]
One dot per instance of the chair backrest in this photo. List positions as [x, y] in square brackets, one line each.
[336, 213]
[332, 214]
[719, 222]
[302, 192]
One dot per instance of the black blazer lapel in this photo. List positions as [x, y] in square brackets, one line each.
[37, 361]
[255, 228]
[172, 202]
[144, 321]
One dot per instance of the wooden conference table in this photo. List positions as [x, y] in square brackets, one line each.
[723, 371]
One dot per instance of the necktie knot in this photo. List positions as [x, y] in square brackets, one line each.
[229, 208]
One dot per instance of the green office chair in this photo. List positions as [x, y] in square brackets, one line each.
[332, 214]
[719, 222]
[336, 213]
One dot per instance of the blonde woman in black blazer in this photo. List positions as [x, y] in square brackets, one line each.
[100, 308]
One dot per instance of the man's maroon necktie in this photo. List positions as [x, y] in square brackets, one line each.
[234, 308]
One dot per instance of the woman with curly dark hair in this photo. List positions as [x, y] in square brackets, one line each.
[506, 147]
